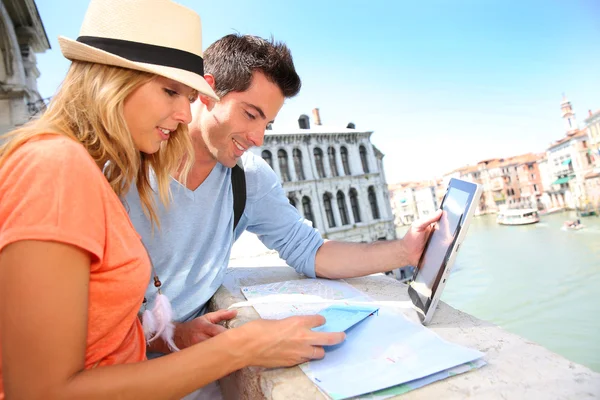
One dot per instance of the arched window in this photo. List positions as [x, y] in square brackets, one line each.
[319, 162]
[283, 165]
[345, 164]
[341, 201]
[292, 200]
[332, 162]
[363, 159]
[297, 154]
[354, 205]
[373, 202]
[307, 208]
[266, 155]
[328, 210]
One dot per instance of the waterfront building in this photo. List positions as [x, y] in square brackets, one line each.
[414, 200]
[493, 193]
[22, 36]
[513, 182]
[404, 206]
[426, 199]
[569, 162]
[592, 178]
[547, 178]
[334, 177]
[531, 187]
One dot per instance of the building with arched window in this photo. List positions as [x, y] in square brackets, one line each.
[328, 210]
[332, 161]
[22, 36]
[298, 165]
[341, 202]
[268, 157]
[336, 179]
[364, 159]
[307, 210]
[345, 163]
[354, 204]
[373, 203]
[293, 200]
[318, 153]
[283, 165]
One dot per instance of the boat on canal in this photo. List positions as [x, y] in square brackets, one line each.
[524, 216]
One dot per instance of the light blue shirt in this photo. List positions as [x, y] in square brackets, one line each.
[191, 250]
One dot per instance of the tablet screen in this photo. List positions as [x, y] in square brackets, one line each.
[430, 269]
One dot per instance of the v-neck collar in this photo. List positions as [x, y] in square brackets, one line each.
[189, 193]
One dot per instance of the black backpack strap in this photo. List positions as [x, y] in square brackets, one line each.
[238, 185]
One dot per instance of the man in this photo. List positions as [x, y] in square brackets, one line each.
[190, 252]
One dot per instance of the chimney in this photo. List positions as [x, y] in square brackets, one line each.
[589, 113]
[316, 116]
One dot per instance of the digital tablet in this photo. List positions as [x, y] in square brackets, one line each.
[458, 206]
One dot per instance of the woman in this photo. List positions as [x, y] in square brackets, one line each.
[72, 269]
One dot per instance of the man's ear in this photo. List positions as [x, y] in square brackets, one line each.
[207, 101]
[210, 79]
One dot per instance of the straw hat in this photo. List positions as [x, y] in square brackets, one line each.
[156, 36]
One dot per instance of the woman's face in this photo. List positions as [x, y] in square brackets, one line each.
[155, 109]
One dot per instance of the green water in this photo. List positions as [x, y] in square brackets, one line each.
[537, 281]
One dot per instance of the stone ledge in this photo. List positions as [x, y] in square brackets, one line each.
[517, 368]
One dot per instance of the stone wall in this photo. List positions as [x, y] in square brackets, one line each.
[516, 368]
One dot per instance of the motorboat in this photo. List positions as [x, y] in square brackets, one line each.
[572, 225]
[523, 216]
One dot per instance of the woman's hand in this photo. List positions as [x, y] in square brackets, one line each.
[286, 342]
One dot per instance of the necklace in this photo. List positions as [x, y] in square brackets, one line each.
[158, 322]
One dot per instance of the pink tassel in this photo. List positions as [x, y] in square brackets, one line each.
[167, 336]
[163, 321]
[149, 325]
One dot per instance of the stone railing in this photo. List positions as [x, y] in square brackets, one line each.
[516, 368]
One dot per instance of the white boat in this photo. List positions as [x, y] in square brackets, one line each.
[572, 225]
[518, 217]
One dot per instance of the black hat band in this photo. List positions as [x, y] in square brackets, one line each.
[147, 53]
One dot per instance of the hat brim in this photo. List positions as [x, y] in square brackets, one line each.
[74, 50]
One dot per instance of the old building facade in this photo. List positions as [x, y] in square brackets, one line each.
[592, 178]
[334, 177]
[570, 165]
[565, 176]
[22, 35]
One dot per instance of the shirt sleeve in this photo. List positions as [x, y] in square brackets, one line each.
[275, 221]
[51, 189]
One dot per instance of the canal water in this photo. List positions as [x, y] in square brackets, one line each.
[537, 281]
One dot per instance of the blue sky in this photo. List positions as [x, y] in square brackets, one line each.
[441, 84]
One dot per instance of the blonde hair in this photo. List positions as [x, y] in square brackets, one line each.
[89, 109]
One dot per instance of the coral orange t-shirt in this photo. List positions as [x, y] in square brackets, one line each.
[52, 190]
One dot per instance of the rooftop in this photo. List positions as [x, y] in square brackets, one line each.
[576, 134]
[317, 129]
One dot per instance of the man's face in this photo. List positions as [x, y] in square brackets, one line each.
[237, 122]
